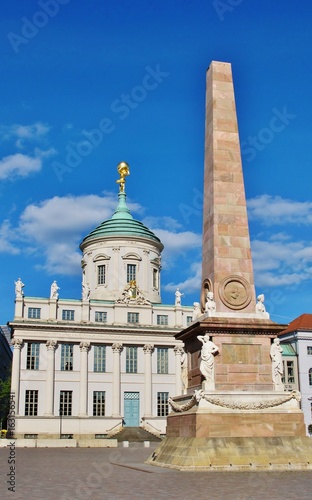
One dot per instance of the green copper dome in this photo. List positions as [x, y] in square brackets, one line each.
[121, 224]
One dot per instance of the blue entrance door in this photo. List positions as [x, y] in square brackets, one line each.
[132, 409]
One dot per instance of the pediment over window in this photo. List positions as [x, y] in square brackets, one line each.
[156, 261]
[100, 257]
[131, 256]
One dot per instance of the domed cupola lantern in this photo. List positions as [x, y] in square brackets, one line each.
[122, 254]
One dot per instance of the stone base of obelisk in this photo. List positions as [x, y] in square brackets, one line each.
[264, 431]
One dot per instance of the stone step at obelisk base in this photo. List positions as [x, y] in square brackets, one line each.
[234, 412]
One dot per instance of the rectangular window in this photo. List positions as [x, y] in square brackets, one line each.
[162, 404]
[68, 314]
[189, 320]
[31, 403]
[162, 360]
[101, 275]
[34, 312]
[289, 375]
[66, 403]
[162, 319]
[131, 359]
[99, 403]
[131, 272]
[100, 317]
[99, 358]
[309, 350]
[67, 357]
[133, 317]
[32, 356]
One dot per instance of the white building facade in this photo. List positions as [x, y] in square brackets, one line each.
[85, 368]
[298, 335]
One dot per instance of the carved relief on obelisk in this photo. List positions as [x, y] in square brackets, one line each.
[226, 261]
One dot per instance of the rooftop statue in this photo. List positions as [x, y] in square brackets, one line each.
[19, 285]
[54, 290]
[124, 171]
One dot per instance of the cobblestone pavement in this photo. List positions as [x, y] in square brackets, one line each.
[120, 473]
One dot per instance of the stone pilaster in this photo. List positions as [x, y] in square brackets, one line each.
[83, 392]
[53, 309]
[16, 364]
[148, 350]
[19, 307]
[178, 351]
[49, 392]
[117, 348]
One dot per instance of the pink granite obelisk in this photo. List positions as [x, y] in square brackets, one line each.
[226, 259]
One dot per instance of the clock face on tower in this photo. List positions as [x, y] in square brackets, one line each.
[235, 292]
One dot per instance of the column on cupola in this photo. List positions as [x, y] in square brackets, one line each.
[15, 381]
[83, 388]
[117, 348]
[148, 350]
[115, 271]
[49, 386]
[178, 351]
[147, 284]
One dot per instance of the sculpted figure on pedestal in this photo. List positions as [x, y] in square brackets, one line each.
[196, 311]
[209, 349]
[210, 303]
[260, 307]
[184, 371]
[85, 291]
[277, 364]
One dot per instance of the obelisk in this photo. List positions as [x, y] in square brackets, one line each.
[234, 415]
[226, 256]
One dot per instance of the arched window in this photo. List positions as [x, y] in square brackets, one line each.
[310, 376]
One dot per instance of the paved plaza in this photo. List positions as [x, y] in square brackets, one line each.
[120, 473]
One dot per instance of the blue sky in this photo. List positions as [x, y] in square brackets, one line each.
[87, 84]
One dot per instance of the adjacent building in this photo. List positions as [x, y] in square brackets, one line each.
[84, 368]
[5, 353]
[298, 338]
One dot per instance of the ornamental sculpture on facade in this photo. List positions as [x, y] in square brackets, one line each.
[132, 295]
[84, 346]
[117, 347]
[17, 343]
[148, 348]
[51, 344]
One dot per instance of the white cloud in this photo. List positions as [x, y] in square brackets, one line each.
[19, 165]
[272, 210]
[56, 226]
[24, 133]
[281, 263]
[52, 230]
[164, 222]
[7, 239]
[190, 284]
